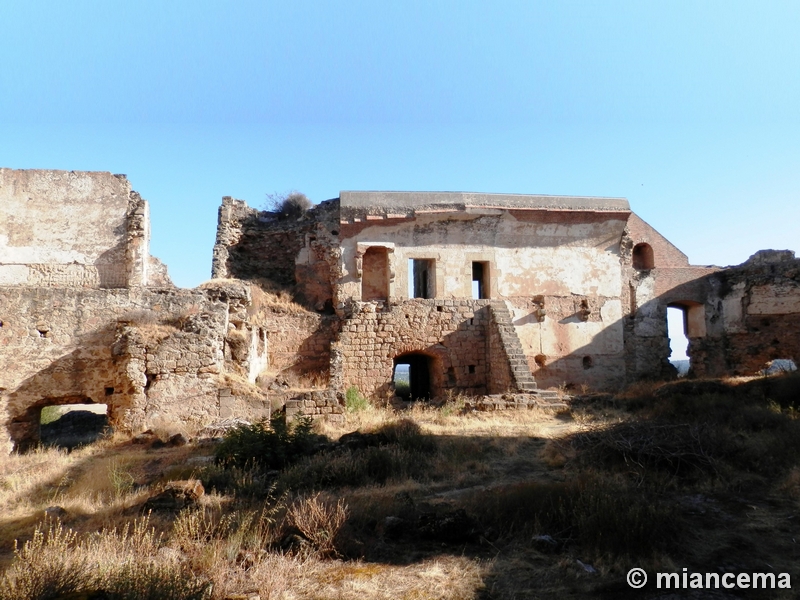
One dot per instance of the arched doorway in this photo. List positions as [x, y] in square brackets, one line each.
[413, 376]
[69, 425]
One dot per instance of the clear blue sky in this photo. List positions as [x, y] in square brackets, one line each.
[691, 110]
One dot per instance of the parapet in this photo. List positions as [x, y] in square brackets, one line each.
[355, 204]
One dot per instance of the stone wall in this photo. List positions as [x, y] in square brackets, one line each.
[752, 316]
[151, 355]
[561, 269]
[451, 333]
[291, 252]
[73, 229]
[298, 342]
[324, 404]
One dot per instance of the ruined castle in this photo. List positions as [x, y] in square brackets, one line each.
[484, 294]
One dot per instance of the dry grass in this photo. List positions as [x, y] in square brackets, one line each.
[270, 297]
[548, 493]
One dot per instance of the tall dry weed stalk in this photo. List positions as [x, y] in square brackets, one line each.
[319, 520]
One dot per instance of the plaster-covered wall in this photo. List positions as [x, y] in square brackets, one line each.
[68, 228]
[562, 272]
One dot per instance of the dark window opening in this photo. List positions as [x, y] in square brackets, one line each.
[588, 363]
[421, 278]
[72, 425]
[480, 283]
[412, 376]
[150, 378]
[109, 391]
[471, 368]
[643, 259]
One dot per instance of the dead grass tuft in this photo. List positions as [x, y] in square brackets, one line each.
[319, 519]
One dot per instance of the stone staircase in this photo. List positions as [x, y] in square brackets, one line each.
[520, 371]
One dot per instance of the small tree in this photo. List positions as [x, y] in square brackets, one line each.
[289, 206]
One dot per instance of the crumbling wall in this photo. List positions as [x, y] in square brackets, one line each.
[647, 291]
[150, 355]
[753, 316]
[300, 252]
[73, 229]
[560, 270]
[299, 342]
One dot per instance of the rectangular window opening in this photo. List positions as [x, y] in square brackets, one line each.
[480, 280]
[420, 284]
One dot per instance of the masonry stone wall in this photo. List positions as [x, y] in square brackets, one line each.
[150, 355]
[452, 333]
[298, 342]
[561, 270]
[298, 252]
[752, 316]
[321, 404]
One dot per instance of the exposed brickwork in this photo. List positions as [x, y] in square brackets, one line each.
[300, 342]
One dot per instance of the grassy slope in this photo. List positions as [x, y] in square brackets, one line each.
[699, 475]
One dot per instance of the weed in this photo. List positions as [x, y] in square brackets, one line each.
[319, 520]
[289, 206]
[122, 565]
[120, 478]
[599, 515]
[355, 401]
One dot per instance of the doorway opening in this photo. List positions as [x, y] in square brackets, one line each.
[412, 376]
[72, 425]
[678, 339]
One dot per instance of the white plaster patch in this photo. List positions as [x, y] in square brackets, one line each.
[774, 300]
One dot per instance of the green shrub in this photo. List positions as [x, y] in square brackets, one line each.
[354, 401]
[268, 444]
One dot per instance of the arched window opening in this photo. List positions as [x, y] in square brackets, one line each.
[72, 425]
[412, 376]
[643, 258]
